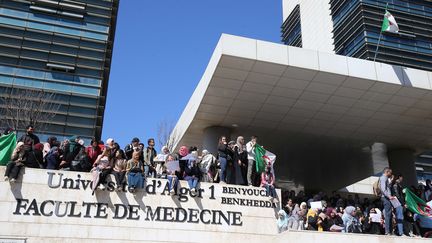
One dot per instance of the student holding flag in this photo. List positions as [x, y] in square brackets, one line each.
[422, 211]
[250, 148]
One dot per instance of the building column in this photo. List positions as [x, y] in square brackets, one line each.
[379, 157]
[211, 137]
[402, 161]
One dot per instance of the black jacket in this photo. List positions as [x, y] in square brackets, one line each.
[29, 141]
[34, 159]
[193, 171]
[396, 190]
[222, 150]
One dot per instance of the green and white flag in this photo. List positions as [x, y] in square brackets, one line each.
[7, 145]
[263, 158]
[389, 23]
[416, 204]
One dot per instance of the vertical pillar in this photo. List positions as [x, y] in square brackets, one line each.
[211, 137]
[402, 161]
[379, 157]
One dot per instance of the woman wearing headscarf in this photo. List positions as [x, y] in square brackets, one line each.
[282, 222]
[334, 222]
[53, 158]
[35, 157]
[294, 215]
[312, 219]
[13, 168]
[235, 172]
[207, 166]
[351, 223]
[159, 160]
[183, 152]
[240, 161]
[302, 215]
[71, 150]
[135, 172]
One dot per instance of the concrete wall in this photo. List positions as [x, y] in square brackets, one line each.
[316, 23]
[94, 217]
[327, 237]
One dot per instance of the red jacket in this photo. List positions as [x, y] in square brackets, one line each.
[93, 153]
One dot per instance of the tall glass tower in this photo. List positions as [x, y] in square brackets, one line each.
[352, 28]
[62, 47]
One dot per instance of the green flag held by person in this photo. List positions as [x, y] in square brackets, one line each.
[263, 158]
[7, 145]
[416, 204]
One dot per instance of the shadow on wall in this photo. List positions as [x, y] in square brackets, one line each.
[402, 76]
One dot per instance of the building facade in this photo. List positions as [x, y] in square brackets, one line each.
[356, 26]
[64, 48]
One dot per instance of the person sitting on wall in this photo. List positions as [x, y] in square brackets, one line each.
[71, 148]
[192, 175]
[207, 166]
[35, 157]
[150, 154]
[93, 151]
[51, 142]
[132, 147]
[135, 172]
[101, 169]
[119, 170]
[172, 175]
[52, 158]
[267, 181]
[159, 161]
[13, 168]
[29, 139]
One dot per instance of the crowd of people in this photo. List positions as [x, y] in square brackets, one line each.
[234, 162]
[379, 216]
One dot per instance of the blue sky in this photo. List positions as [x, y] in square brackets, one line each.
[161, 50]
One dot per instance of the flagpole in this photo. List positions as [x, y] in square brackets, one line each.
[376, 51]
[379, 38]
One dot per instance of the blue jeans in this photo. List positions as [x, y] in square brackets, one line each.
[271, 191]
[223, 164]
[172, 182]
[192, 182]
[399, 219]
[387, 214]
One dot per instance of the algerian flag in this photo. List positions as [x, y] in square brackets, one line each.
[416, 204]
[263, 158]
[7, 145]
[389, 23]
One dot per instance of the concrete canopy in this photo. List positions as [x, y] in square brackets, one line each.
[258, 87]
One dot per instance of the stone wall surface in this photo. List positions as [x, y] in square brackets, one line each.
[327, 237]
[59, 209]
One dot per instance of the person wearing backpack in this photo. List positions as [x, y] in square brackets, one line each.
[207, 166]
[385, 188]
